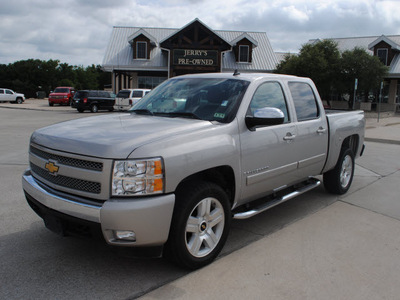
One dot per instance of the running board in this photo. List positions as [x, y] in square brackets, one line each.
[313, 183]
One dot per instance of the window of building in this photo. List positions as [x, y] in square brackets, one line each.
[269, 94]
[244, 54]
[383, 55]
[304, 101]
[141, 50]
[147, 82]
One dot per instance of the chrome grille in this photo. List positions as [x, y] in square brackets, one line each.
[69, 161]
[68, 182]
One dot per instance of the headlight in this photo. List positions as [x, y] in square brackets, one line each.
[138, 177]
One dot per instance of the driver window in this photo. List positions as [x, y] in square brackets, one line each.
[269, 94]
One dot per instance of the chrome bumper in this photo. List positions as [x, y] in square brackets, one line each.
[149, 218]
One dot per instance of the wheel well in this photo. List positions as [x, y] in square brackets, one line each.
[222, 176]
[351, 143]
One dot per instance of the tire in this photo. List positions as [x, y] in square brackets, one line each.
[19, 101]
[94, 108]
[339, 179]
[51, 103]
[80, 110]
[200, 225]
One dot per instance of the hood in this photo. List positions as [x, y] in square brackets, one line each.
[112, 136]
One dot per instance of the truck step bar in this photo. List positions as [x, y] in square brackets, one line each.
[311, 184]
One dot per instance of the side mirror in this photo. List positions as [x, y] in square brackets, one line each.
[265, 116]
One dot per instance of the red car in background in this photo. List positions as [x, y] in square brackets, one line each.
[61, 95]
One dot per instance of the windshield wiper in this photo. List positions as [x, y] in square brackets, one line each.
[184, 114]
[143, 112]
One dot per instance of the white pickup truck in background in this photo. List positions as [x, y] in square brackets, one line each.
[7, 95]
[196, 152]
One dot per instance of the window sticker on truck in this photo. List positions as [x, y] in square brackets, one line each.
[219, 115]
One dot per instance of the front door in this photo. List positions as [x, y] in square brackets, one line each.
[269, 159]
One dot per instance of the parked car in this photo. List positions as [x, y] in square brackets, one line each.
[196, 152]
[93, 101]
[61, 95]
[125, 99]
[7, 95]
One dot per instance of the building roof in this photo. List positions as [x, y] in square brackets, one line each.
[368, 44]
[119, 53]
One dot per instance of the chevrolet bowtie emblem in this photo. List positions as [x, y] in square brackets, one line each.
[52, 168]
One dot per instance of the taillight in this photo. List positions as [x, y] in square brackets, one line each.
[84, 100]
[130, 101]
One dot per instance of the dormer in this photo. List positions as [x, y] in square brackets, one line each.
[142, 42]
[385, 49]
[243, 48]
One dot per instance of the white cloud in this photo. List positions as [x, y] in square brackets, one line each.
[77, 31]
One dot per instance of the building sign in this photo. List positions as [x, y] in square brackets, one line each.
[188, 57]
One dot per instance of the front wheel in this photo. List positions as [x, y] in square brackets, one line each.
[339, 179]
[200, 225]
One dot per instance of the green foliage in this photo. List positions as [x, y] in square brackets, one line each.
[319, 61]
[33, 75]
[369, 70]
[332, 71]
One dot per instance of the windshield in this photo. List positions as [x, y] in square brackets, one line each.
[211, 99]
[61, 90]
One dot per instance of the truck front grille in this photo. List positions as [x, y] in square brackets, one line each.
[69, 161]
[75, 174]
[68, 182]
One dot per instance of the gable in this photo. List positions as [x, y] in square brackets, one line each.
[195, 35]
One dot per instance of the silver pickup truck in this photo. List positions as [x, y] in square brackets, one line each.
[194, 153]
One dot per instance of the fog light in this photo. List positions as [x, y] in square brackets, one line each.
[125, 235]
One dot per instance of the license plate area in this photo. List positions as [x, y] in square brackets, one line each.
[55, 224]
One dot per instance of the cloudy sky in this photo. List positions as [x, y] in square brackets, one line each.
[77, 31]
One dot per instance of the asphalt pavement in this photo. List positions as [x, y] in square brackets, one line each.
[347, 250]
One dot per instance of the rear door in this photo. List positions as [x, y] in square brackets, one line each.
[2, 95]
[312, 129]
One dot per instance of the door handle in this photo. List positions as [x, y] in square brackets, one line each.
[289, 137]
[321, 130]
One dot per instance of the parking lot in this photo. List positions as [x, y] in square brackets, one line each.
[317, 246]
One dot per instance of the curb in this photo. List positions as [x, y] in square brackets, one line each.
[384, 141]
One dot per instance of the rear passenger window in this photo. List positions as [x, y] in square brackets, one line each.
[269, 94]
[104, 94]
[137, 94]
[304, 101]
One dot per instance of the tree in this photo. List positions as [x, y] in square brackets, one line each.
[33, 75]
[319, 61]
[335, 72]
[368, 69]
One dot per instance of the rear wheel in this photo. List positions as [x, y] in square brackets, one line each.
[200, 225]
[94, 108]
[80, 110]
[339, 179]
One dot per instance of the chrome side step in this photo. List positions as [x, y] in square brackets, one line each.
[313, 183]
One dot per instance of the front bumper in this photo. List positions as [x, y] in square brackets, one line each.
[148, 217]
